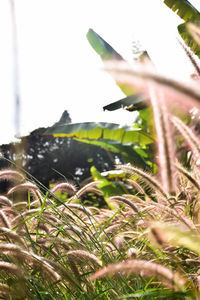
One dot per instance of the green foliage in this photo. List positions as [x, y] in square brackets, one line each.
[109, 188]
[131, 103]
[105, 131]
[184, 9]
[102, 47]
[106, 52]
[188, 13]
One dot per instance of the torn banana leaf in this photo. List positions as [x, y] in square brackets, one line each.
[101, 130]
[184, 9]
[133, 102]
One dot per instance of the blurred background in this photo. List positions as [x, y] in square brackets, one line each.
[57, 68]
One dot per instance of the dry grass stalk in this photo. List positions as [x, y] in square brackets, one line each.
[144, 268]
[166, 151]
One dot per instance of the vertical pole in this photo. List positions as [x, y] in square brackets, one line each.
[15, 70]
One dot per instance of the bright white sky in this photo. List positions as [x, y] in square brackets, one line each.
[58, 68]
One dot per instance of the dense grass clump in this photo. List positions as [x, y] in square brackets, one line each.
[142, 248]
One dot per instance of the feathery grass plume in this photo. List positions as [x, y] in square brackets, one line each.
[177, 236]
[73, 228]
[7, 233]
[20, 206]
[65, 243]
[47, 215]
[185, 94]
[111, 230]
[23, 187]
[11, 269]
[167, 210]
[4, 220]
[157, 236]
[132, 252]
[10, 248]
[63, 272]
[44, 227]
[190, 55]
[124, 200]
[144, 268]
[86, 188]
[77, 207]
[81, 256]
[66, 213]
[188, 175]
[166, 151]
[135, 185]
[35, 203]
[66, 186]
[5, 201]
[118, 241]
[45, 266]
[9, 174]
[190, 137]
[10, 211]
[146, 177]
[34, 213]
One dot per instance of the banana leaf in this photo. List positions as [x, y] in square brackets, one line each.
[134, 102]
[101, 130]
[106, 52]
[129, 154]
[184, 9]
[102, 47]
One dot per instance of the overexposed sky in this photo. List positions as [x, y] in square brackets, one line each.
[58, 68]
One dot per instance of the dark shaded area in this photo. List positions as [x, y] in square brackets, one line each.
[47, 158]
